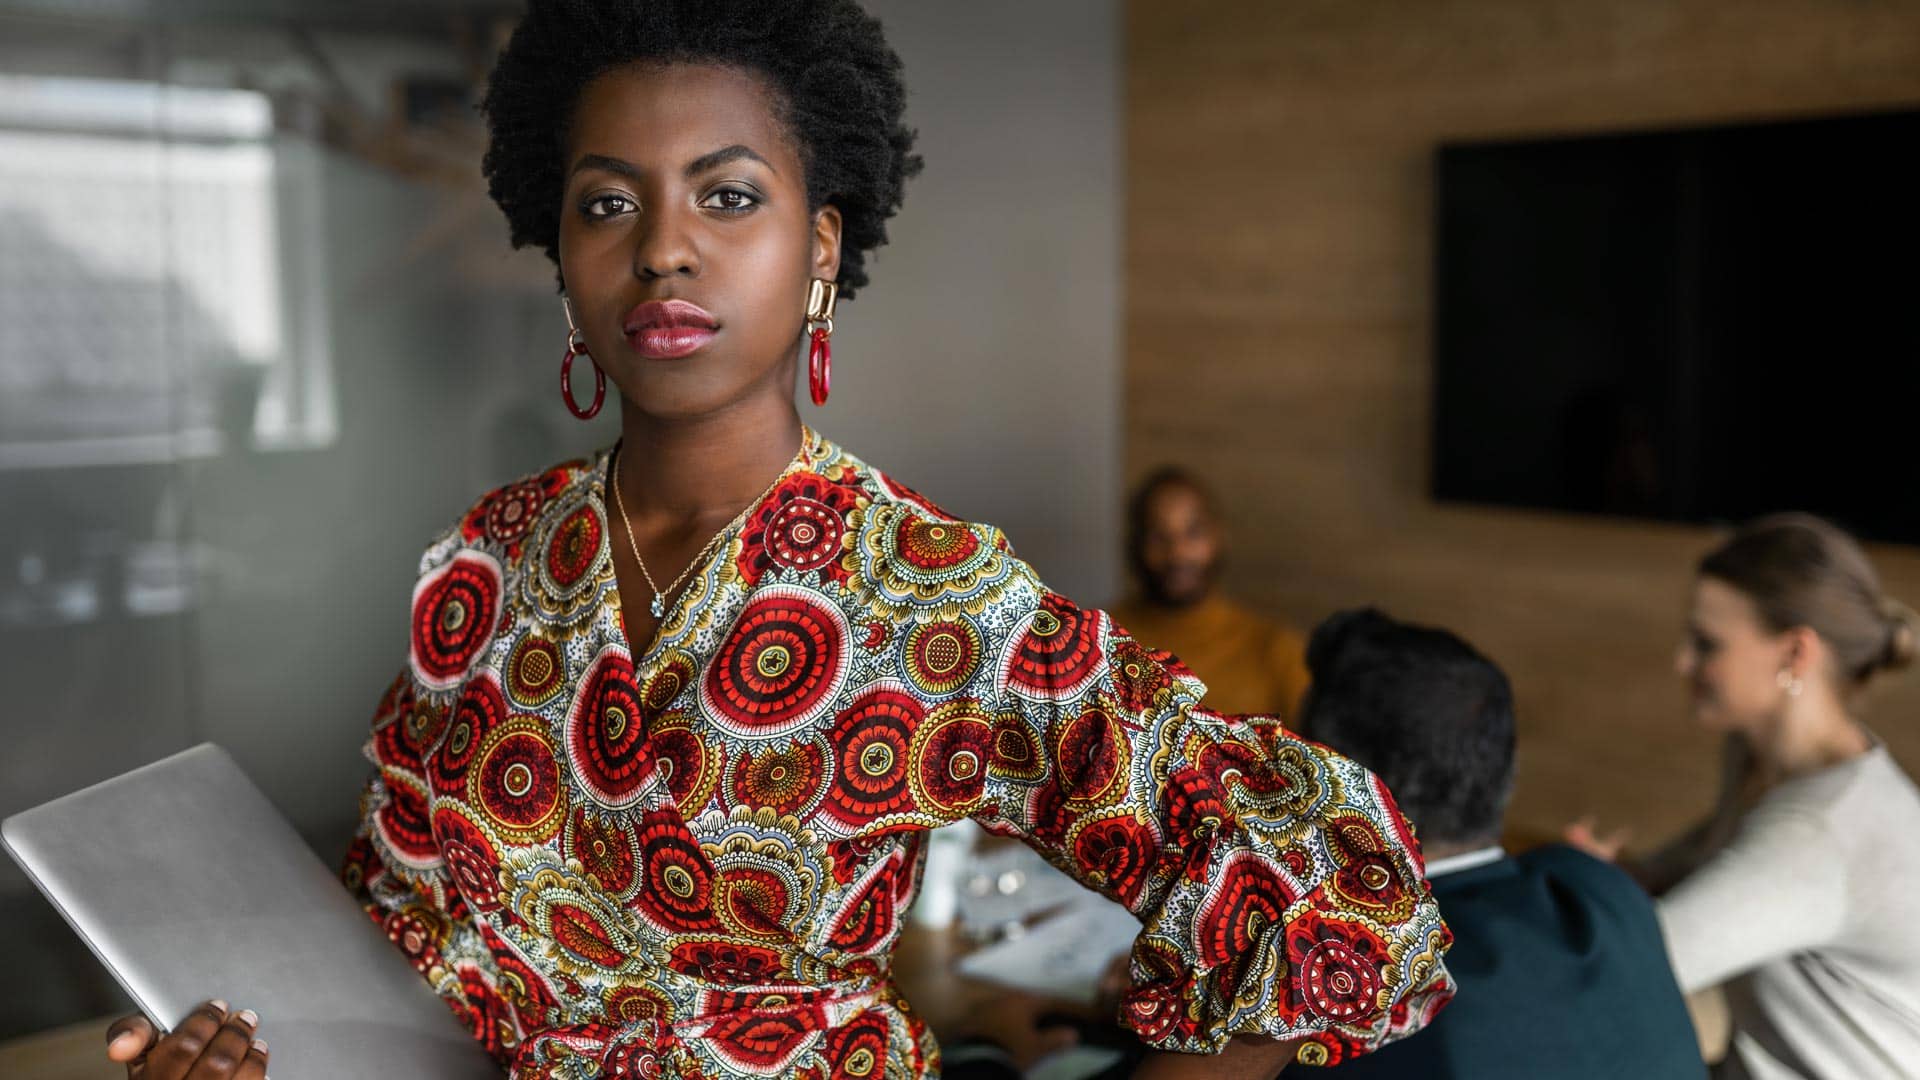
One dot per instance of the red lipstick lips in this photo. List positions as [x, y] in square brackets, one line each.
[669, 329]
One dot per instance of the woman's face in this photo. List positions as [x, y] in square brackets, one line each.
[1731, 661]
[686, 243]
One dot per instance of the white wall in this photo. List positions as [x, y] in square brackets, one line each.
[981, 365]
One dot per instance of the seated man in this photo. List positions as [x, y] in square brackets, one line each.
[1560, 963]
[1175, 546]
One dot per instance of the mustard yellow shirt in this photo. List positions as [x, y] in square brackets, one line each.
[1250, 663]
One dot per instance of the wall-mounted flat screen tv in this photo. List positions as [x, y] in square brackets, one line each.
[1692, 325]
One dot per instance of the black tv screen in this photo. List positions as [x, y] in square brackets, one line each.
[1696, 325]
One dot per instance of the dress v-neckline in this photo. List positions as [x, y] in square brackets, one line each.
[699, 580]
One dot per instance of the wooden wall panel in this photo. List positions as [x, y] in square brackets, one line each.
[1279, 290]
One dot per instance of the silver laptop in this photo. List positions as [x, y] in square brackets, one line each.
[189, 885]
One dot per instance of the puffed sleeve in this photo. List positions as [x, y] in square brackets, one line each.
[1279, 890]
[397, 864]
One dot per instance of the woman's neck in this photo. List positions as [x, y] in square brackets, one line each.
[1811, 734]
[707, 467]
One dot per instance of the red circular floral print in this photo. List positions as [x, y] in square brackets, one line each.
[524, 988]
[780, 668]
[1152, 1011]
[954, 745]
[636, 1005]
[1091, 756]
[580, 932]
[931, 546]
[801, 526]
[1196, 806]
[575, 546]
[536, 671]
[676, 888]
[512, 509]
[873, 745]
[1016, 751]
[786, 779]
[858, 1050]
[479, 710]
[665, 684]
[719, 960]
[1365, 877]
[606, 732]
[516, 782]
[455, 610]
[760, 1034]
[754, 899]
[1140, 682]
[1246, 899]
[1116, 854]
[684, 762]
[403, 823]
[941, 657]
[805, 535]
[1335, 967]
[604, 848]
[866, 921]
[1059, 653]
[471, 859]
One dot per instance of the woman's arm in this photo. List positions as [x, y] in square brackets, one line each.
[1280, 893]
[1777, 888]
[1245, 1058]
[395, 868]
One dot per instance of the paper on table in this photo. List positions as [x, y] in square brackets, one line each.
[1061, 956]
[1011, 884]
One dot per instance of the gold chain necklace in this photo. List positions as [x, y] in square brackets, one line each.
[659, 605]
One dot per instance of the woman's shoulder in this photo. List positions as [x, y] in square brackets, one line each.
[500, 522]
[912, 556]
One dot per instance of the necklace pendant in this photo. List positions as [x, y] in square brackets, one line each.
[659, 606]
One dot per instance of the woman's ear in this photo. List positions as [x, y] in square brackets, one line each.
[826, 242]
[1806, 653]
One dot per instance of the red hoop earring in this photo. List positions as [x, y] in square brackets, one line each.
[577, 346]
[820, 366]
[821, 294]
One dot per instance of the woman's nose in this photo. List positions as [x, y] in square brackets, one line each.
[665, 248]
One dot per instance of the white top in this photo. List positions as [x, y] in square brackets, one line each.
[1811, 915]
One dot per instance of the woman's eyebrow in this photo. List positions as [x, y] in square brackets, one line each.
[608, 164]
[725, 155]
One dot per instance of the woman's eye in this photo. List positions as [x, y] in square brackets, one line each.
[605, 206]
[730, 200]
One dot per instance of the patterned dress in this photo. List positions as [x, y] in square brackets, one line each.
[693, 862]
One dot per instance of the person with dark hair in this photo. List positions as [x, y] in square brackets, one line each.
[1797, 894]
[654, 787]
[1558, 956]
[1175, 547]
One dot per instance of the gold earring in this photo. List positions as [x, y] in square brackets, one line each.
[821, 294]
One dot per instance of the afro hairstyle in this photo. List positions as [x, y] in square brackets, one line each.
[839, 88]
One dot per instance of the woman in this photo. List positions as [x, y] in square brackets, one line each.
[1799, 892]
[634, 819]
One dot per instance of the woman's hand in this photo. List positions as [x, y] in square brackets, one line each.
[1020, 1023]
[1246, 1057]
[1585, 835]
[210, 1044]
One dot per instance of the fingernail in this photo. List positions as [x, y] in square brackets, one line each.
[218, 1004]
[249, 1017]
[260, 1045]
